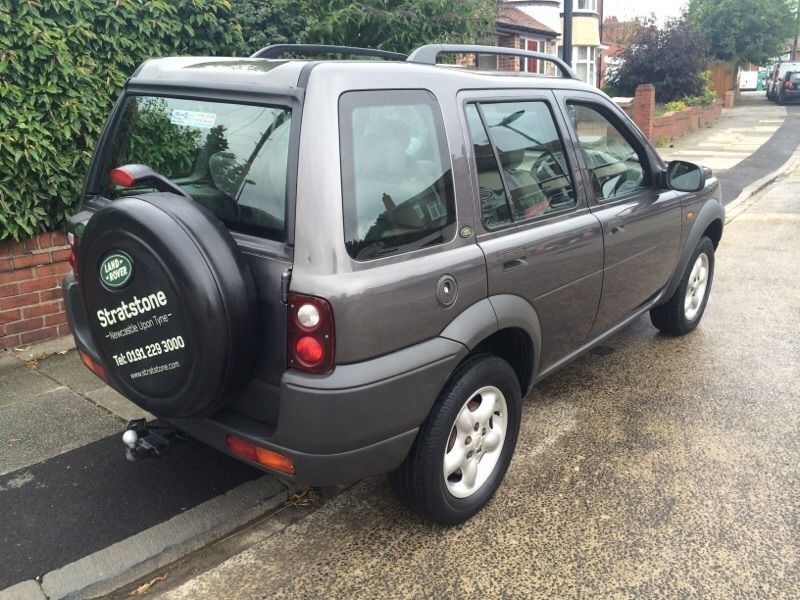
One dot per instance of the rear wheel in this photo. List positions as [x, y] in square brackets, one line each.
[683, 311]
[464, 448]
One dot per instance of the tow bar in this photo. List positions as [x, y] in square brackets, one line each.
[142, 441]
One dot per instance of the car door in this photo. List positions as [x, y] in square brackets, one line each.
[540, 240]
[641, 222]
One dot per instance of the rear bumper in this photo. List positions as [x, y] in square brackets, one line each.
[790, 95]
[357, 421]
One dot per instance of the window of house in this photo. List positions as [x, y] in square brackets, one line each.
[615, 166]
[587, 5]
[533, 177]
[583, 58]
[531, 65]
[397, 183]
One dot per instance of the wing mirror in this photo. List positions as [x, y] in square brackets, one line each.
[684, 176]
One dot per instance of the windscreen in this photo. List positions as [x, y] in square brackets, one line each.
[231, 158]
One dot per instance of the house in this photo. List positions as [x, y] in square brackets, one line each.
[587, 25]
[517, 29]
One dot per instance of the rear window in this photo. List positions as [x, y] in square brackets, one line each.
[397, 185]
[794, 76]
[231, 158]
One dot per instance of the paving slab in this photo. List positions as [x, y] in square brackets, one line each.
[67, 369]
[118, 404]
[48, 424]
[25, 590]
[18, 382]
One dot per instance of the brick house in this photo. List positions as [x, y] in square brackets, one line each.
[517, 29]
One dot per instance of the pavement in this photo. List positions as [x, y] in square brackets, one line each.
[748, 142]
[652, 466]
[79, 520]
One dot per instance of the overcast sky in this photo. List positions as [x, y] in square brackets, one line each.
[624, 9]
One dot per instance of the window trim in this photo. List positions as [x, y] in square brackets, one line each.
[439, 117]
[572, 172]
[629, 137]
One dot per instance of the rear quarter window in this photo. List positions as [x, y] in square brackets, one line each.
[397, 184]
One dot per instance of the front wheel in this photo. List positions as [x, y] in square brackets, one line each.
[464, 448]
[683, 311]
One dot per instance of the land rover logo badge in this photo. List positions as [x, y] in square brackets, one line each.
[116, 270]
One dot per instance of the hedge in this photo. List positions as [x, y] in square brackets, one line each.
[62, 64]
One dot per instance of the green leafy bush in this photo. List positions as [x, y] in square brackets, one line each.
[675, 106]
[62, 63]
[672, 56]
[398, 25]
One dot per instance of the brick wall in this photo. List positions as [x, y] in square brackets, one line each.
[675, 124]
[642, 109]
[31, 305]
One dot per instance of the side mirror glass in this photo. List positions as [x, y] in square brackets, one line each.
[685, 176]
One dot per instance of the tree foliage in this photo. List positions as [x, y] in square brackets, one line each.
[673, 58]
[398, 25]
[62, 63]
[745, 31]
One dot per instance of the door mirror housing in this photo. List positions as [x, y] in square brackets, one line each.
[684, 176]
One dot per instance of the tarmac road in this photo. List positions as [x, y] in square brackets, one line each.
[768, 157]
[652, 467]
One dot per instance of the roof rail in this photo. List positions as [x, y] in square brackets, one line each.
[429, 54]
[279, 49]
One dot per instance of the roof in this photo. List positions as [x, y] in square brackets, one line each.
[283, 77]
[512, 17]
[208, 71]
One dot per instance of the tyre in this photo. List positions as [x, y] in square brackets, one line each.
[464, 448]
[171, 303]
[683, 311]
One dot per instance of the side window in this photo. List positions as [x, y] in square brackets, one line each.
[533, 173]
[397, 185]
[614, 165]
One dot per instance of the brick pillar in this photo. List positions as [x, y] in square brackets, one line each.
[508, 63]
[730, 99]
[644, 108]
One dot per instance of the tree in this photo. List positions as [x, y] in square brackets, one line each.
[744, 31]
[672, 58]
[398, 25]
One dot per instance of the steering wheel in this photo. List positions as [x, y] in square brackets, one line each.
[541, 162]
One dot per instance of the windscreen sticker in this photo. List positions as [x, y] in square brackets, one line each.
[191, 118]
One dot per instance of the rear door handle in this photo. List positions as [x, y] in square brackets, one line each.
[616, 226]
[515, 259]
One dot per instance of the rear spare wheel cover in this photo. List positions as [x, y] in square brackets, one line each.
[168, 297]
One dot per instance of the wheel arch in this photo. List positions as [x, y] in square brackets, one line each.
[708, 222]
[506, 326]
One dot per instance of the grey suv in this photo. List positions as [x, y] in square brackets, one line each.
[337, 268]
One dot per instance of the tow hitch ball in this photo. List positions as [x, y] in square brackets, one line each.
[141, 441]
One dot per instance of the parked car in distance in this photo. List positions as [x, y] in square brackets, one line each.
[332, 269]
[777, 75]
[789, 87]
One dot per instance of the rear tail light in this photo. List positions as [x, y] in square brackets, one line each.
[310, 332]
[94, 366]
[788, 84]
[72, 240]
[254, 453]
